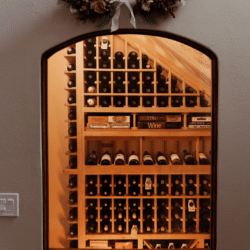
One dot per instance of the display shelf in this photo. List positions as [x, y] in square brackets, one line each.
[139, 140]
[146, 169]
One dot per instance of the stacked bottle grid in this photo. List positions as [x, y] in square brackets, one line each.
[154, 210]
[131, 80]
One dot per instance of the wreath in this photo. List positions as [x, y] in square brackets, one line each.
[101, 11]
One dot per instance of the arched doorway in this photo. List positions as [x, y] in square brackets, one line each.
[164, 90]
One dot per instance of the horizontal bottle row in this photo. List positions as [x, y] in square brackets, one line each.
[146, 185]
[132, 244]
[145, 216]
[148, 159]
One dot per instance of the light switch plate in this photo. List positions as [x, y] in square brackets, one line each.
[9, 204]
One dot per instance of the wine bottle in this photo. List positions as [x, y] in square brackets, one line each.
[133, 101]
[134, 212]
[148, 88]
[146, 66]
[72, 99]
[119, 88]
[72, 114]
[106, 189]
[133, 88]
[71, 83]
[119, 158]
[91, 101]
[73, 230]
[71, 67]
[73, 244]
[144, 59]
[119, 56]
[162, 186]
[191, 101]
[147, 159]
[148, 226]
[158, 69]
[175, 159]
[73, 181]
[148, 101]
[91, 88]
[72, 130]
[90, 77]
[204, 225]
[119, 64]
[133, 77]
[119, 77]
[148, 186]
[105, 212]
[91, 189]
[176, 187]
[106, 159]
[104, 77]
[133, 55]
[176, 224]
[105, 226]
[133, 159]
[203, 101]
[90, 53]
[120, 212]
[189, 90]
[147, 77]
[105, 101]
[73, 198]
[73, 214]
[104, 64]
[105, 54]
[91, 226]
[73, 146]
[90, 63]
[71, 50]
[175, 89]
[119, 101]
[105, 88]
[90, 42]
[162, 226]
[92, 159]
[119, 186]
[73, 162]
[176, 101]
[133, 64]
[203, 159]
[134, 188]
[190, 225]
[161, 159]
[161, 79]
[188, 158]
[162, 101]
[190, 188]
[162, 88]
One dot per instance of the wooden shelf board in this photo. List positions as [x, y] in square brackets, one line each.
[147, 110]
[146, 169]
[167, 236]
[151, 133]
[70, 171]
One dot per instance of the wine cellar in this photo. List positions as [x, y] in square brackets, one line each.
[129, 145]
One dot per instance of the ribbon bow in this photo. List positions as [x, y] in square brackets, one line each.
[115, 19]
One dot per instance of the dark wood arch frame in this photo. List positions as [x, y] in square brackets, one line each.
[214, 60]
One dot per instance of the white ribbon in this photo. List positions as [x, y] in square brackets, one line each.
[115, 19]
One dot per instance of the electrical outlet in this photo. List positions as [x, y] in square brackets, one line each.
[9, 204]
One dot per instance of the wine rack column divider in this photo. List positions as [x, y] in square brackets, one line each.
[80, 144]
[155, 203]
[126, 72]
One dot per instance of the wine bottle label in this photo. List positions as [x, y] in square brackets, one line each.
[174, 157]
[156, 117]
[133, 157]
[173, 118]
[119, 119]
[161, 158]
[147, 157]
[148, 184]
[91, 101]
[119, 157]
[151, 125]
[106, 157]
[202, 156]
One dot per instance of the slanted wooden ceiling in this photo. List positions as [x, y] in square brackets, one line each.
[185, 62]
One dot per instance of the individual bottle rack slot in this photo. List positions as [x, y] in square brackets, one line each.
[144, 185]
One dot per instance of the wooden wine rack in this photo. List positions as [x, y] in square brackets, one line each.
[142, 138]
